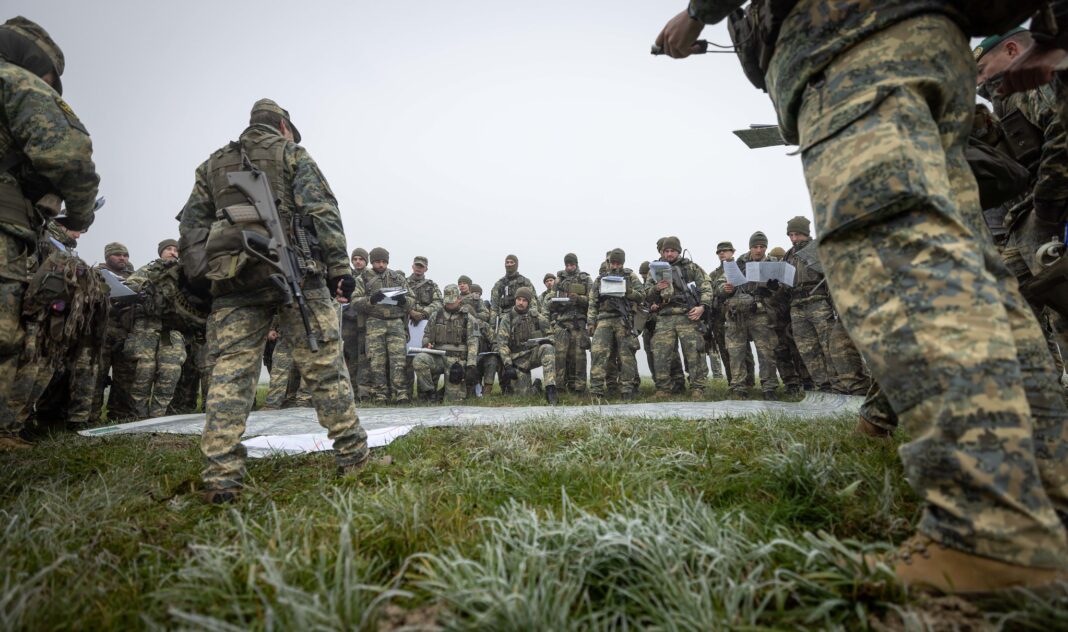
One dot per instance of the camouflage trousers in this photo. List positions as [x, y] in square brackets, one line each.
[37, 376]
[571, 344]
[487, 370]
[236, 338]
[193, 383]
[677, 379]
[354, 335]
[116, 370]
[757, 326]
[788, 359]
[543, 356]
[715, 357]
[828, 353]
[287, 388]
[387, 346]
[16, 265]
[429, 367]
[926, 298]
[158, 357]
[673, 330]
[612, 337]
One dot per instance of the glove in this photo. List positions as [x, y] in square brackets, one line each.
[377, 297]
[456, 373]
[774, 285]
[510, 373]
[471, 375]
[347, 285]
[401, 300]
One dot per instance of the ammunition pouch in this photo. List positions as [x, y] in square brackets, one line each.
[1024, 139]
[48, 285]
[741, 306]
[15, 208]
[754, 33]
[230, 267]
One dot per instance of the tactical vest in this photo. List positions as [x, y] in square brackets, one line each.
[373, 282]
[524, 327]
[613, 308]
[448, 331]
[809, 271]
[567, 282]
[422, 292]
[506, 291]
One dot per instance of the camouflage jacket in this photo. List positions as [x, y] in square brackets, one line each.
[425, 296]
[457, 333]
[157, 282]
[739, 301]
[515, 329]
[1039, 107]
[370, 282]
[502, 296]
[606, 308]
[304, 192]
[672, 300]
[120, 320]
[484, 319]
[57, 153]
[577, 283]
[809, 283]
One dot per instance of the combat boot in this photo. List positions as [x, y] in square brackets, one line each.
[628, 396]
[222, 496]
[866, 428]
[921, 563]
[12, 443]
[550, 394]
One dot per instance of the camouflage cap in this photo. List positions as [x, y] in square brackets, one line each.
[643, 268]
[420, 260]
[616, 255]
[378, 253]
[450, 294]
[993, 42]
[464, 279]
[115, 248]
[800, 225]
[724, 245]
[777, 251]
[43, 41]
[476, 288]
[758, 239]
[548, 275]
[571, 259]
[267, 105]
[525, 292]
[359, 252]
[166, 243]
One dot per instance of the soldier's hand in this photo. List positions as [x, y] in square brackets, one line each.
[678, 39]
[272, 335]
[429, 345]
[1032, 69]
[572, 295]
[377, 297]
[663, 284]
[696, 313]
[401, 300]
[592, 327]
[343, 287]
[654, 308]
[728, 287]
[774, 285]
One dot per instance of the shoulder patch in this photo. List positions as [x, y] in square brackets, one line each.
[72, 118]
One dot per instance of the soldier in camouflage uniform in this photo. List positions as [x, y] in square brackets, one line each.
[387, 327]
[611, 321]
[245, 304]
[354, 334]
[718, 321]
[455, 331]
[678, 376]
[156, 345]
[569, 322]
[424, 300]
[286, 389]
[517, 328]
[543, 299]
[502, 296]
[677, 322]
[750, 317]
[45, 155]
[116, 367]
[829, 355]
[487, 363]
[916, 279]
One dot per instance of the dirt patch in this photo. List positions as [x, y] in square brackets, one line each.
[928, 612]
[421, 619]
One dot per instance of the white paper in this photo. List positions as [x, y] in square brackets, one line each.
[764, 271]
[733, 273]
[560, 299]
[282, 445]
[391, 293]
[613, 286]
[659, 271]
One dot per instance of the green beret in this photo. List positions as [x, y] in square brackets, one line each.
[267, 105]
[993, 42]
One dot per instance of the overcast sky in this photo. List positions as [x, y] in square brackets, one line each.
[461, 131]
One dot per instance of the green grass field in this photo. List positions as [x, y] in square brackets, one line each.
[593, 523]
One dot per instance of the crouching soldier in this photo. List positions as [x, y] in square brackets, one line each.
[524, 344]
[455, 333]
[613, 300]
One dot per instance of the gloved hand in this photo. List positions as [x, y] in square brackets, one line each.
[377, 297]
[401, 300]
[774, 285]
[456, 373]
[344, 283]
[471, 374]
[510, 373]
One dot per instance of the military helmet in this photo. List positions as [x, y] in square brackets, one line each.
[267, 105]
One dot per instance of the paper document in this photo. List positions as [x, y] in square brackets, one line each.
[268, 445]
[391, 294]
[659, 271]
[733, 273]
[560, 299]
[613, 286]
[764, 271]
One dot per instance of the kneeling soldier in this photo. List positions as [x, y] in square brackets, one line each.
[523, 343]
[611, 318]
[454, 332]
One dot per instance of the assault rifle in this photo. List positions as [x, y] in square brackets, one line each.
[693, 299]
[537, 342]
[412, 351]
[275, 251]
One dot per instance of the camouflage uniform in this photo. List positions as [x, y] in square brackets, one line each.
[913, 272]
[513, 332]
[678, 377]
[487, 359]
[718, 324]
[243, 311]
[424, 300]
[117, 370]
[545, 297]
[387, 333]
[673, 326]
[457, 333]
[750, 317]
[569, 324]
[613, 321]
[354, 335]
[502, 296]
[287, 389]
[50, 153]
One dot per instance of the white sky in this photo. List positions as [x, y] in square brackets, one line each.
[461, 131]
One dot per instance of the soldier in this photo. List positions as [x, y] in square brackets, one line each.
[828, 353]
[750, 316]
[456, 332]
[917, 282]
[354, 333]
[718, 321]
[286, 389]
[569, 322]
[502, 296]
[543, 299]
[678, 377]
[120, 406]
[680, 309]
[245, 304]
[156, 345]
[424, 300]
[523, 343]
[387, 330]
[487, 354]
[611, 319]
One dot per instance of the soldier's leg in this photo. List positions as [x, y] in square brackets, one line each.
[453, 392]
[545, 356]
[82, 383]
[141, 349]
[612, 373]
[169, 358]
[600, 350]
[850, 376]
[738, 349]
[327, 377]
[647, 344]
[378, 359]
[30, 371]
[580, 343]
[236, 336]
[719, 333]
[488, 370]
[714, 358]
[281, 371]
[665, 353]
[750, 366]
[426, 378]
[918, 297]
[397, 349]
[123, 374]
[804, 319]
[188, 388]
[692, 343]
[627, 345]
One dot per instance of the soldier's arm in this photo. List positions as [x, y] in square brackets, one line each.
[594, 307]
[503, 334]
[704, 286]
[435, 301]
[495, 306]
[474, 334]
[635, 292]
[314, 199]
[55, 143]
[360, 300]
[583, 300]
[713, 11]
[428, 337]
[1051, 187]
[137, 280]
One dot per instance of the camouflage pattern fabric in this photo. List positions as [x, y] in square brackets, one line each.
[459, 335]
[746, 320]
[487, 363]
[922, 291]
[158, 357]
[425, 300]
[569, 331]
[193, 383]
[502, 296]
[354, 335]
[287, 388]
[387, 345]
[673, 330]
[513, 332]
[677, 377]
[236, 337]
[614, 341]
[543, 356]
[116, 368]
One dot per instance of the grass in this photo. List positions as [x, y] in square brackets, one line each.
[594, 523]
